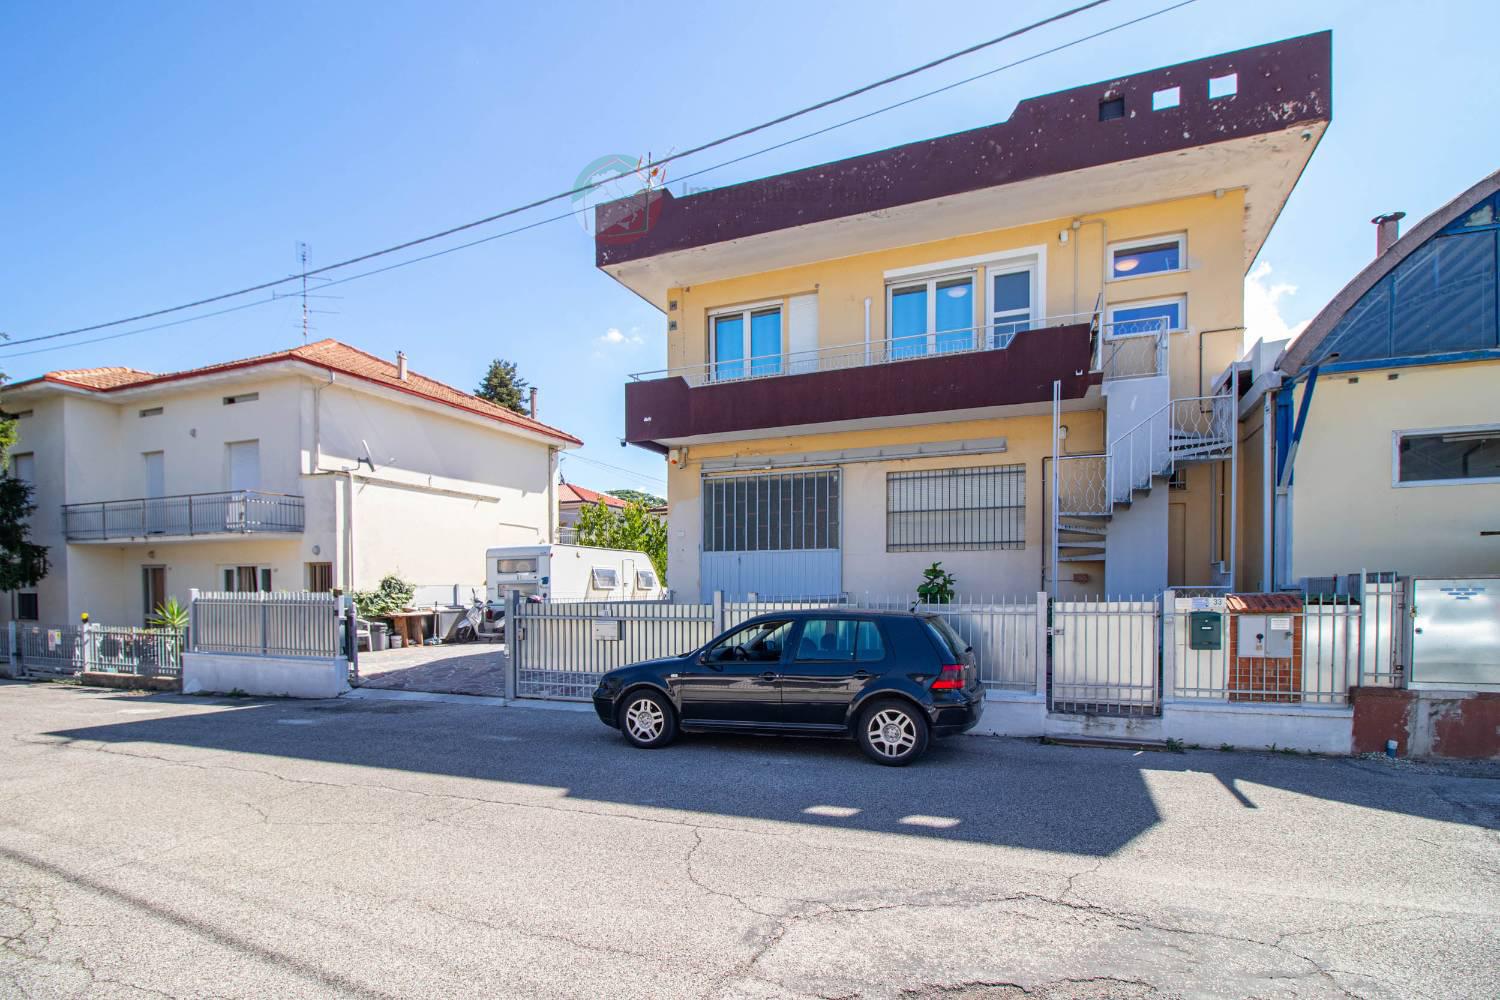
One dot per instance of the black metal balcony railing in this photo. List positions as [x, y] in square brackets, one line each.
[236, 512]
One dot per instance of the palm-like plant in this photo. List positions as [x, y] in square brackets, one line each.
[170, 614]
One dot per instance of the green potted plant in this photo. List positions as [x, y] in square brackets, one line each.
[936, 586]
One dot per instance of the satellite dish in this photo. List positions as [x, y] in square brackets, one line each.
[368, 459]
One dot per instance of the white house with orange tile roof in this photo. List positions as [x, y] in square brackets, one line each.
[319, 467]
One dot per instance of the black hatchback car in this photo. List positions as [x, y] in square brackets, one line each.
[891, 680]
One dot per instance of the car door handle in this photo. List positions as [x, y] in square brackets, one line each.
[768, 676]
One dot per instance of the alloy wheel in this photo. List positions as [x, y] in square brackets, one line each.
[645, 719]
[892, 733]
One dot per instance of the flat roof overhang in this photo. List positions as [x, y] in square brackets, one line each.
[1053, 158]
[667, 412]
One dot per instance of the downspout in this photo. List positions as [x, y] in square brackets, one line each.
[1268, 492]
[552, 494]
[349, 532]
[1078, 224]
[868, 359]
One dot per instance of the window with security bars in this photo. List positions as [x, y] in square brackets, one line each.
[956, 509]
[771, 513]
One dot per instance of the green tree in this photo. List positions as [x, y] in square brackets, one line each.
[936, 586]
[640, 497]
[503, 386]
[631, 528]
[22, 562]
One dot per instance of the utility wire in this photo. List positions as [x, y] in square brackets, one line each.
[575, 212]
[583, 188]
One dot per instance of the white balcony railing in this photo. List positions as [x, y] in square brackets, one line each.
[1129, 354]
[234, 512]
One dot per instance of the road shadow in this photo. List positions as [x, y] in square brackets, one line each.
[1013, 793]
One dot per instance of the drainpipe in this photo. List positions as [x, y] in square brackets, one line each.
[349, 533]
[867, 330]
[552, 451]
[1267, 477]
[1078, 224]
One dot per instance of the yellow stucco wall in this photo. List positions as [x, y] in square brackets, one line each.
[867, 566]
[1213, 281]
[1347, 515]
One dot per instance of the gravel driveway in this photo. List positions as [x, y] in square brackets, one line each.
[189, 847]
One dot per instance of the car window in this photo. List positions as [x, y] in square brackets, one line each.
[868, 645]
[949, 641]
[759, 642]
[827, 639]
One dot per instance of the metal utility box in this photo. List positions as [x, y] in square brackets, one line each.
[1267, 636]
[1456, 634]
[1205, 630]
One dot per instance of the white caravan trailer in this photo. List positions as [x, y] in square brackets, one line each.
[570, 573]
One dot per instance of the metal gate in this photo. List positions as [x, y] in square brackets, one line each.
[1456, 633]
[560, 651]
[1105, 658]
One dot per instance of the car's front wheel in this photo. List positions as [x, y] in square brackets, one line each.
[647, 721]
[892, 732]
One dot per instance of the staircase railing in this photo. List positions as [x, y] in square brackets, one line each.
[1082, 484]
[1197, 427]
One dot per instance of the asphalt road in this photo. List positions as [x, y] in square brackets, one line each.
[188, 847]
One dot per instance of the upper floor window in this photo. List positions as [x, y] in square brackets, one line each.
[244, 397]
[746, 341]
[1136, 319]
[1158, 255]
[23, 467]
[1448, 455]
[983, 305]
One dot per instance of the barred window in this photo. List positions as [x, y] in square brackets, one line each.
[956, 509]
[771, 513]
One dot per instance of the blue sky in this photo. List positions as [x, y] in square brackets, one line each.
[155, 153]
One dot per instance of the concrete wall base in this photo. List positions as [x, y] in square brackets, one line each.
[286, 677]
[127, 682]
[1464, 724]
[1296, 727]
[1012, 714]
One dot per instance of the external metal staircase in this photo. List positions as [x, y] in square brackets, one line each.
[1091, 488]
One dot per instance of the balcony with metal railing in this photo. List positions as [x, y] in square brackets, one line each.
[967, 369]
[231, 513]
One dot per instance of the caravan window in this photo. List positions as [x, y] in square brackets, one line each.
[645, 579]
[606, 578]
[515, 565]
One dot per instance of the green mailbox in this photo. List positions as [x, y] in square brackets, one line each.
[1205, 630]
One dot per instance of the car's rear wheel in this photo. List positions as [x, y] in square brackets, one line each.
[647, 721]
[892, 732]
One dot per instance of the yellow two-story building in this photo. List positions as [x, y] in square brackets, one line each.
[994, 349]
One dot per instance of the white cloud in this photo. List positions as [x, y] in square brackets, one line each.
[614, 337]
[1264, 319]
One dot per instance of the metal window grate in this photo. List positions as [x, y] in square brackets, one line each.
[956, 509]
[771, 513]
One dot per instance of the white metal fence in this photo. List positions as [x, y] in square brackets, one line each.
[561, 650]
[42, 651]
[281, 623]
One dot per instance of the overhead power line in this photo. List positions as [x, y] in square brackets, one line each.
[580, 189]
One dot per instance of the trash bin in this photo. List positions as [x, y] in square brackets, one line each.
[379, 638]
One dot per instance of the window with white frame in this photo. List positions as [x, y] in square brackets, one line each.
[605, 577]
[1447, 455]
[1157, 255]
[931, 315]
[1137, 319]
[746, 342]
[983, 303]
[246, 579]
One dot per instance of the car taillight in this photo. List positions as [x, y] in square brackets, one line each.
[950, 678]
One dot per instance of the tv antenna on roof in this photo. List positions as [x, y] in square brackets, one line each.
[307, 311]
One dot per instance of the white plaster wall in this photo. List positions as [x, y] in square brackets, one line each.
[264, 675]
[1135, 542]
[1255, 727]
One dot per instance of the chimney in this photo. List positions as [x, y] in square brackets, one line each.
[1387, 230]
[401, 365]
[533, 403]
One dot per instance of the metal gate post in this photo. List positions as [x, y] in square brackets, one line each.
[513, 645]
[1043, 648]
[718, 611]
[1168, 652]
[351, 638]
[192, 635]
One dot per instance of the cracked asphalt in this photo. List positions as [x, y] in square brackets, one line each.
[184, 847]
